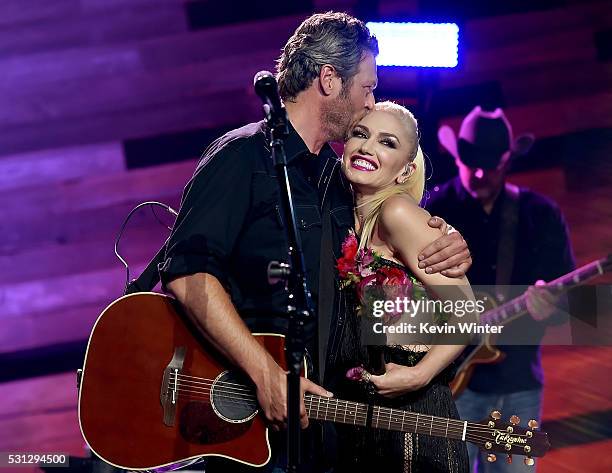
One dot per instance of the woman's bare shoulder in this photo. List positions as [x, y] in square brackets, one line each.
[400, 211]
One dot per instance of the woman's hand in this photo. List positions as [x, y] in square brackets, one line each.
[399, 379]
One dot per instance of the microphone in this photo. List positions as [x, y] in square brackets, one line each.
[267, 89]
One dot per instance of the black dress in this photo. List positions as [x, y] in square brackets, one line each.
[377, 450]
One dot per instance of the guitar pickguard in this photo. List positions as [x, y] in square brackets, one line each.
[198, 423]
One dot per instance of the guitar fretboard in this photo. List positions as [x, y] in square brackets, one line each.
[355, 413]
[518, 306]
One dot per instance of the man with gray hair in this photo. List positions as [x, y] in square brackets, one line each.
[229, 227]
[336, 45]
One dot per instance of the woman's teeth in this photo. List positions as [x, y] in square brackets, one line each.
[362, 163]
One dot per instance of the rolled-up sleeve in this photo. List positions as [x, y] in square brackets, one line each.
[213, 210]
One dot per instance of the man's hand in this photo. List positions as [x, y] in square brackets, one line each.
[272, 395]
[448, 255]
[540, 302]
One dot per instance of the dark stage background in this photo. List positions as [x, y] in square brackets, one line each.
[107, 103]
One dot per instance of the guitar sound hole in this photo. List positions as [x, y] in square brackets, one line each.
[233, 397]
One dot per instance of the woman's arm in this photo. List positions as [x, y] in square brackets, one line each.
[403, 226]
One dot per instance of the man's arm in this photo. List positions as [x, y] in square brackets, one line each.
[213, 212]
[208, 304]
[556, 258]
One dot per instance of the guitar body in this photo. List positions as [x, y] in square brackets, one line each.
[126, 409]
[473, 356]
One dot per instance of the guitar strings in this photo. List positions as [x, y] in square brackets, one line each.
[519, 304]
[206, 381]
[453, 424]
[384, 414]
[249, 392]
[384, 419]
[434, 430]
[249, 396]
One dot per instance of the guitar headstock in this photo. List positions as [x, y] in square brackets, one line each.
[494, 436]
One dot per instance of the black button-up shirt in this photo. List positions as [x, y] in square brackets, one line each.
[231, 226]
[542, 251]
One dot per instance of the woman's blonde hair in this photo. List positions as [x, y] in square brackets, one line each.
[414, 184]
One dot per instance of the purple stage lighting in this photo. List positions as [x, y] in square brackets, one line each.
[416, 44]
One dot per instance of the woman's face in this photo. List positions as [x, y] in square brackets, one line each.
[377, 151]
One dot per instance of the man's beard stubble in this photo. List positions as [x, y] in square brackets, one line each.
[337, 118]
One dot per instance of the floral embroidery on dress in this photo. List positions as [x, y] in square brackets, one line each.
[363, 270]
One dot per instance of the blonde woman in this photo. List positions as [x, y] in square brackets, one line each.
[384, 164]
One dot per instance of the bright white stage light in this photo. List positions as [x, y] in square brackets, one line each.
[416, 44]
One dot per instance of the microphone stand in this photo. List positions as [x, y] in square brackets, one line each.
[300, 308]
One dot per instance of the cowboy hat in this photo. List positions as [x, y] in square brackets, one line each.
[484, 138]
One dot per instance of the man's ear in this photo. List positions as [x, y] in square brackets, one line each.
[328, 79]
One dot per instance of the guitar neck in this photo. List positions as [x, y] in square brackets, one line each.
[356, 413]
[518, 306]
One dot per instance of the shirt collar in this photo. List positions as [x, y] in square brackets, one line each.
[295, 147]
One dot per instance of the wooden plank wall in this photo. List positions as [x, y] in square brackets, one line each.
[80, 77]
[577, 398]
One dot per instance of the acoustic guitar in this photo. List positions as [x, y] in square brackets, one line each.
[485, 351]
[153, 393]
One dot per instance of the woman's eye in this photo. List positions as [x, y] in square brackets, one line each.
[388, 143]
[359, 134]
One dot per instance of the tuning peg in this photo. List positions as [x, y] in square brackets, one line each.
[495, 415]
[509, 459]
[533, 424]
[491, 457]
[529, 461]
[515, 420]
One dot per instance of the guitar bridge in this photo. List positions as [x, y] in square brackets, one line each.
[169, 387]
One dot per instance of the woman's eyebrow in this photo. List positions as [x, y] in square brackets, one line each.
[389, 135]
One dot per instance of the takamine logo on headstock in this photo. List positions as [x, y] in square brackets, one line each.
[511, 438]
[505, 437]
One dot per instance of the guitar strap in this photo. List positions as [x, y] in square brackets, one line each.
[150, 276]
[508, 227]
